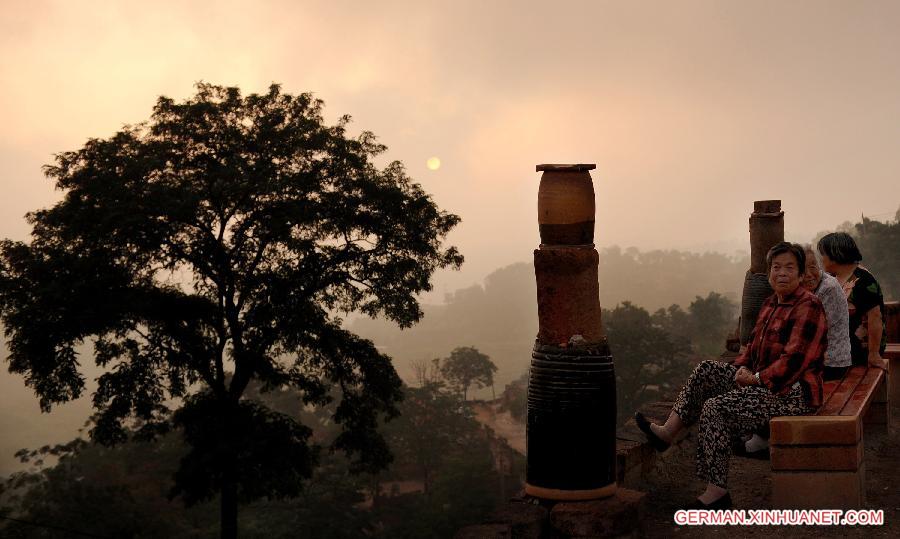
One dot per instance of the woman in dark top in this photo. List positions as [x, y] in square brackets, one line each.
[841, 258]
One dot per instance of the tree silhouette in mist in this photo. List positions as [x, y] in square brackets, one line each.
[466, 366]
[212, 246]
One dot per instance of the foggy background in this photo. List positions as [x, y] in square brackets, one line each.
[691, 111]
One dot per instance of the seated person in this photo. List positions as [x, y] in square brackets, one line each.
[779, 373]
[837, 353]
[827, 288]
[865, 302]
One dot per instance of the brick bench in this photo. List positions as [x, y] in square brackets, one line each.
[892, 354]
[818, 460]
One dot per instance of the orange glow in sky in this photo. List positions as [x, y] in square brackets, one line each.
[691, 110]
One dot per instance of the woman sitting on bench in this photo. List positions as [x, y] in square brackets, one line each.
[837, 354]
[841, 258]
[778, 374]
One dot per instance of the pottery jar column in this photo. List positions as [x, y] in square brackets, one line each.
[571, 417]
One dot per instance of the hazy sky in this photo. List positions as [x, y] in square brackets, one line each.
[691, 110]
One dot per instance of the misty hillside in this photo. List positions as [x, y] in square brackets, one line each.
[500, 317]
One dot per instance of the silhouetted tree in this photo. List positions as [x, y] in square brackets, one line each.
[426, 372]
[431, 423]
[222, 235]
[712, 318]
[879, 244]
[121, 491]
[467, 366]
[705, 325]
[436, 439]
[674, 320]
[645, 355]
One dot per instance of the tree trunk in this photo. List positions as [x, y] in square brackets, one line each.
[229, 504]
[229, 465]
[376, 491]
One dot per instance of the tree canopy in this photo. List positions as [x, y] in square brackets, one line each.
[880, 246]
[215, 244]
[646, 355]
[706, 323]
[467, 366]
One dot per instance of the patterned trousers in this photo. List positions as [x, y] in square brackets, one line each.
[728, 412]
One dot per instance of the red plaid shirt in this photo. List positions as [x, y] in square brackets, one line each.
[788, 345]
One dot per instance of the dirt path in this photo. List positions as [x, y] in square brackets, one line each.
[502, 423]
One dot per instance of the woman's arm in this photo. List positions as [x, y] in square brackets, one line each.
[874, 331]
[746, 353]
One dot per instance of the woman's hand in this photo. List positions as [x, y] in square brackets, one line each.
[878, 362]
[875, 329]
[743, 377]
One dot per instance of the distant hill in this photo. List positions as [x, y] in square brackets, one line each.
[500, 316]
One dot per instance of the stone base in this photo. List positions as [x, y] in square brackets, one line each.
[634, 462]
[485, 531]
[570, 495]
[526, 520]
[610, 517]
[517, 519]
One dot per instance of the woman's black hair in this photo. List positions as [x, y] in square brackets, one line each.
[787, 247]
[840, 247]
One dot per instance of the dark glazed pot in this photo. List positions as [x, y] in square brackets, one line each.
[566, 204]
[571, 423]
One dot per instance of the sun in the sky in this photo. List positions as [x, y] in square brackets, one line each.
[433, 163]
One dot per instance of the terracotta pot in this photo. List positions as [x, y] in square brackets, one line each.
[566, 204]
[567, 294]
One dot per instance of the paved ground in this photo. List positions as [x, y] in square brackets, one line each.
[673, 483]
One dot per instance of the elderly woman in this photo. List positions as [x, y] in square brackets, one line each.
[837, 353]
[865, 302]
[829, 291]
[779, 373]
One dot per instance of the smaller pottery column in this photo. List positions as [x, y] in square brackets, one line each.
[766, 230]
